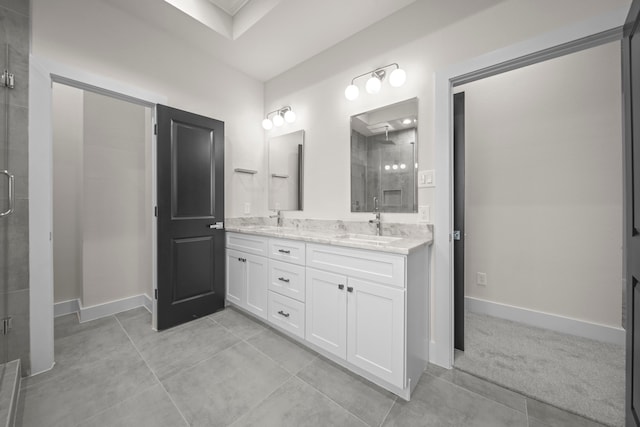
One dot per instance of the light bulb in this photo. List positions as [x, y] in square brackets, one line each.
[397, 77]
[351, 92]
[278, 120]
[267, 124]
[290, 116]
[407, 121]
[373, 85]
[387, 167]
[394, 167]
[403, 166]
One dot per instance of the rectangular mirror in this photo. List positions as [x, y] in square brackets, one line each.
[384, 153]
[285, 171]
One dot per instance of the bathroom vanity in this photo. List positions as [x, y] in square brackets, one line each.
[359, 300]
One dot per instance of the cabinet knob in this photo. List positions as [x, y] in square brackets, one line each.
[349, 288]
[282, 279]
[282, 313]
[341, 287]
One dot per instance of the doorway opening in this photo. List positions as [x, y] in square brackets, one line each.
[543, 294]
[102, 193]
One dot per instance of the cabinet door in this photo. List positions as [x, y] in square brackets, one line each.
[326, 311]
[235, 277]
[257, 270]
[376, 329]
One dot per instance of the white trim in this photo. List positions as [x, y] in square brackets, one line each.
[102, 310]
[553, 322]
[63, 308]
[441, 346]
[43, 73]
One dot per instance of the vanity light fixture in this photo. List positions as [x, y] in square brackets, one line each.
[281, 115]
[396, 79]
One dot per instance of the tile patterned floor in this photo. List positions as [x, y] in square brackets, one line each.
[229, 370]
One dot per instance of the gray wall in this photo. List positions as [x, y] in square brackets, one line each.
[14, 230]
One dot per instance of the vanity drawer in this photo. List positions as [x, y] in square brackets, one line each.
[287, 279]
[286, 313]
[248, 243]
[369, 265]
[287, 250]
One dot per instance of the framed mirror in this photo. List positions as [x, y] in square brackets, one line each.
[384, 156]
[286, 172]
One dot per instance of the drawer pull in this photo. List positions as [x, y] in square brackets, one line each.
[349, 288]
[282, 279]
[284, 251]
[341, 287]
[242, 259]
[282, 313]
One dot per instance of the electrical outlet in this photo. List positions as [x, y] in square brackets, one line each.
[481, 279]
[424, 213]
[247, 208]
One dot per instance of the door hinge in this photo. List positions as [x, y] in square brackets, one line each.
[7, 80]
[455, 235]
[7, 325]
[155, 211]
[155, 129]
[156, 293]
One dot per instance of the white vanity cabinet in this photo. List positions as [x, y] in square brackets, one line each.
[247, 270]
[365, 309]
[354, 317]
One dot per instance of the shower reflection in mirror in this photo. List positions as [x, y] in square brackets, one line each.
[384, 158]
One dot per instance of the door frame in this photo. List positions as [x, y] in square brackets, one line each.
[583, 35]
[43, 73]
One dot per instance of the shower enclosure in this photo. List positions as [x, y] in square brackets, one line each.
[14, 206]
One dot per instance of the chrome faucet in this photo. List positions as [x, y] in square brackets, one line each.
[279, 216]
[377, 222]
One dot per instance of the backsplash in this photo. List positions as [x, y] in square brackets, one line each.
[417, 231]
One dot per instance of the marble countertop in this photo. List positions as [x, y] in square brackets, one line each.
[392, 244]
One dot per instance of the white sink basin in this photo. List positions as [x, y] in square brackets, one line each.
[365, 238]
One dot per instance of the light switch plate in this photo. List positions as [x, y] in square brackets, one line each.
[426, 178]
[247, 208]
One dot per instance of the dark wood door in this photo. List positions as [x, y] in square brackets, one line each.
[458, 219]
[631, 90]
[191, 257]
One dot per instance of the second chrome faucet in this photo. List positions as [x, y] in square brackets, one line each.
[376, 211]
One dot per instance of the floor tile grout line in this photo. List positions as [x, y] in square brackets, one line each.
[115, 404]
[276, 361]
[476, 393]
[395, 400]
[248, 411]
[328, 397]
[486, 381]
[154, 374]
[55, 376]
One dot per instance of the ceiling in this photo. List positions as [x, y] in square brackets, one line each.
[262, 38]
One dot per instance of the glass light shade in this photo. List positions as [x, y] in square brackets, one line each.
[397, 77]
[373, 85]
[403, 166]
[406, 121]
[387, 167]
[351, 92]
[267, 124]
[289, 116]
[278, 120]
[394, 167]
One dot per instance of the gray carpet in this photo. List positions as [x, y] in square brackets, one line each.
[577, 374]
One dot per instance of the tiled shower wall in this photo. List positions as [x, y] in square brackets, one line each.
[14, 229]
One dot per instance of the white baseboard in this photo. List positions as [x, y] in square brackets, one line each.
[101, 310]
[66, 307]
[549, 321]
